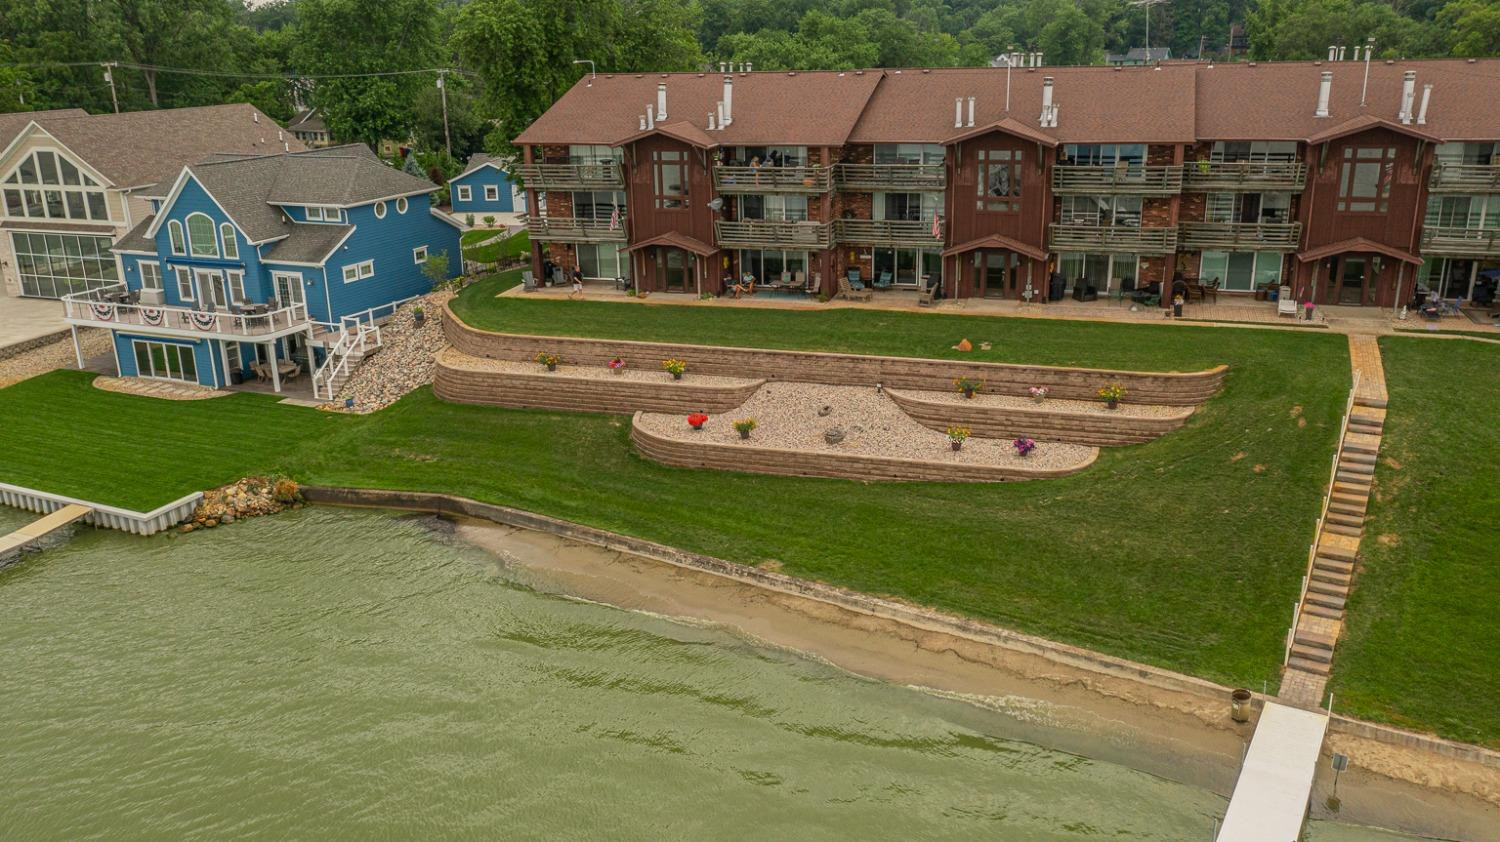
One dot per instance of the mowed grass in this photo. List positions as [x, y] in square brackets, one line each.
[506, 248]
[1185, 552]
[1420, 649]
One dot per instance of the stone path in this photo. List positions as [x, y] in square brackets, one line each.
[157, 388]
[1321, 617]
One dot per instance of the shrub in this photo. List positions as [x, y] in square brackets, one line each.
[744, 426]
[547, 359]
[285, 489]
[489, 220]
[674, 367]
[1113, 393]
[968, 386]
[1024, 446]
[697, 420]
[469, 219]
[958, 434]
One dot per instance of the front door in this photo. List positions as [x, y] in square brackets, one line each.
[1353, 280]
[674, 270]
[997, 274]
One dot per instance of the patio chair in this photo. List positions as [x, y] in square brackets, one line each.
[293, 373]
[528, 281]
[847, 290]
[1126, 289]
[928, 295]
[884, 281]
[1286, 305]
[259, 371]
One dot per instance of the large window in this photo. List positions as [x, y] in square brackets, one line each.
[1469, 153]
[999, 180]
[1463, 211]
[908, 153]
[767, 265]
[1249, 207]
[165, 361]
[580, 153]
[598, 204]
[45, 185]
[174, 233]
[231, 245]
[1101, 271]
[768, 156]
[1240, 271]
[784, 206]
[1254, 150]
[150, 274]
[54, 265]
[670, 178]
[907, 266]
[1103, 154]
[907, 206]
[1101, 210]
[201, 239]
[1365, 179]
[603, 260]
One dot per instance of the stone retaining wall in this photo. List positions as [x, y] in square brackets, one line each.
[1165, 388]
[555, 390]
[802, 463]
[15, 349]
[1074, 426]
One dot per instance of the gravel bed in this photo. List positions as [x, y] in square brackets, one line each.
[1139, 410]
[52, 356]
[458, 359]
[788, 417]
[405, 361]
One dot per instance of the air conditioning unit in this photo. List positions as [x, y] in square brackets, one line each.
[153, 297]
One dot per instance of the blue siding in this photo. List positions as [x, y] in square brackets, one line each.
[205, 355]
[476, 181]
[313, 289]
[389, 242]
[194, 199]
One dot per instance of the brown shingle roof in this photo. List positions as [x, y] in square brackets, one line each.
[804, 108]
[11, 124]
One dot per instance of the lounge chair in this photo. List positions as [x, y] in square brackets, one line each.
[884, 281]
[1286, 305]
[928, 295]
[528, 281]
[848, 291]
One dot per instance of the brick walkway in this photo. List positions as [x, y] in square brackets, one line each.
[1364, 357]
[156, 388]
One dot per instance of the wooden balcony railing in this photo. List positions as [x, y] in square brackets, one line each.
[891, 177]
[110, 307]
[1465, 178]
[1130, 180]
[773, 233]
[600, 176]
[1245, 176]
[888, 232]
[572, 229]
[1451, 241]
[1112, 238]
[1239, 236]
[769, 179]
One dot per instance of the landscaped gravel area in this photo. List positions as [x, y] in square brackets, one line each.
[645, 373]
[406, 358]
[1138, 410]
[55, 355]
[790, 416]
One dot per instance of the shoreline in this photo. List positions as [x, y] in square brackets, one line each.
[1171, 734]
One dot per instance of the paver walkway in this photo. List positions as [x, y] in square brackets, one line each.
[157, 388]
[1320, 619]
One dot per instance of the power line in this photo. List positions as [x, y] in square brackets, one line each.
[232, 74]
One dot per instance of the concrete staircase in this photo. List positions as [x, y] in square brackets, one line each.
[1322, 612]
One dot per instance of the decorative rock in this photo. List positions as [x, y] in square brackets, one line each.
[406, 359]
[833, 435]
[825, 411]
[189, 527]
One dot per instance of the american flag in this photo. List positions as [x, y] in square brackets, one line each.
[614, 218]
[937, 232]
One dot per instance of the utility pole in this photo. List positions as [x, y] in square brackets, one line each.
[447, 139]
[109, 77]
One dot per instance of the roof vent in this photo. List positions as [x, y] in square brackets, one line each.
[1408, 96]
[1325, 85]
[748, 67]
[1049, 109]
[971, 113]
[661, 101]
[958, 112]
[727, 118]
[255, 116]
[1422, 112]
[710, 121]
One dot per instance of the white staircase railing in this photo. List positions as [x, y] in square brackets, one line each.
[356, 338]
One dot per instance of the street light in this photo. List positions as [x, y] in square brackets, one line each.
[590, 63]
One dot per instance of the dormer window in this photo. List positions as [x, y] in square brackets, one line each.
[323, 213]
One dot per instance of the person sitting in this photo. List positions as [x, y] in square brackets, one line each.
[745, 286]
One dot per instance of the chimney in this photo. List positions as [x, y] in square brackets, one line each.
[643, 122]
[720, 109]
[650, 117]
[1324, 86]
[1333, 53]
[1422, 112]
[728, 118]
[1038, 59]
[747, 67]
[710, 121]
[1341, 53]
[724, 66]
[661, 101]
[1408, 94]
[971, 112]
[1049, 111]
[958, 112]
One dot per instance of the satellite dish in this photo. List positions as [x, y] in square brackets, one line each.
[716, 204]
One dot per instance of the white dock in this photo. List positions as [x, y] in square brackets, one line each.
[1271, 796]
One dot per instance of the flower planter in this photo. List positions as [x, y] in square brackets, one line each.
[419, 317]
[552, 366]
[677, 375]
[956, 445]
[617, 370]
[698, 427]
[744, 434]
[969, 394]
[1111, 404]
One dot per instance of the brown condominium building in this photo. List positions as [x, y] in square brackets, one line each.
[1351, 184]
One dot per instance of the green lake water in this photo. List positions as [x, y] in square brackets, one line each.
[333, 674]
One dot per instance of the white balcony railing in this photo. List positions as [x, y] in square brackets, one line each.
[112, 306]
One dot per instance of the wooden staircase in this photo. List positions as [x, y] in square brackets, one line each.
[1321, 615]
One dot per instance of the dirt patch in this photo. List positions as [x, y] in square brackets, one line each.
[1296, 411]
[1237, 457]
[1391, 463]
[1389, 539]
[771, 564]
[1259, 469]
[1301, 422]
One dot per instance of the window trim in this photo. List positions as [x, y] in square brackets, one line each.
[419, 255]
[179, 347]
[361, 271]
[229, 246]
[185, 283]
[155, 268]
[177, 238]
[465, 193]
[380, 210]
[400, 204]
[192, 242]
[492, 192]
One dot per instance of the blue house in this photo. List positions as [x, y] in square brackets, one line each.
[484, 188]
[269, 267]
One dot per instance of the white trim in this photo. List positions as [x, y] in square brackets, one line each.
[229, 242]
[160, 280]
[177, 226]
[448, 218]
[380, 210]
[465, 193]
[490, 187]
[401, 204]
[419, 259]
[363, 270]
[135, 359]
[166, 206]
[77, 159]
[131, 251]
[432, 189]
[192, 286]
[192, 243]
[494, 165]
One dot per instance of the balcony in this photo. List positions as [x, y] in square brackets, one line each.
[1240, 236]
[1112, 238]
[112, 307]
[773, 233]
[601, 176]
[1128, 180]
[888, 232]
[891, 177]
[1465, 178]
[769, 179]
[1450, 241]
[1246, 176]
[572, 229]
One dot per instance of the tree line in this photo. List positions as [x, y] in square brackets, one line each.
[515, 57]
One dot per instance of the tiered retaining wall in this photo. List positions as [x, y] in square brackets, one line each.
[458, 382]
[801, 463]
[1099, 427]
[1164, 388]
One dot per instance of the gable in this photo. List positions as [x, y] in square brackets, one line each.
[33, 139]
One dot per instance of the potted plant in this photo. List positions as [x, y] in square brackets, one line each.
[1177, 302]
[617, 365]
[1112, 395]
[418, 316]
[744, 426]
[968, 386]
[698, 419]
[956, 437]
[674, 367]
[1039, 393]
[1024, 446]
[548, 360]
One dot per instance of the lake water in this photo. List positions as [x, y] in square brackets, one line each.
[332, 674]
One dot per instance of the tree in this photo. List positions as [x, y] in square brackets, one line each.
[367, 36]
[1471, 27]
[198, 34]
[465, 125]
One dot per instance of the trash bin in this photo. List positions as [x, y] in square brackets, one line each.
[1239, 705]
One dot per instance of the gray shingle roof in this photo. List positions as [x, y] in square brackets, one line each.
[135, 239]
[307, 243]
[308, 120]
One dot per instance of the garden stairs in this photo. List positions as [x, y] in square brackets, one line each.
[1320, 616]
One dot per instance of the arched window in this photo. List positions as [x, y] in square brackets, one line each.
[380, 210]
[201, 239]
[174, 233]
[231, 246]
[401, 205]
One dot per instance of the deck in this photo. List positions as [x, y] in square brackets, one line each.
[1271, 796]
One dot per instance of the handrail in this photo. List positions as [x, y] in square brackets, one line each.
[1312, 552]
[809, 178]
[92, 306]
[886, 176]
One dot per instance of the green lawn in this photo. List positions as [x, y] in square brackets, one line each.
[1185, 552]
[1420, 648]
[508, 248]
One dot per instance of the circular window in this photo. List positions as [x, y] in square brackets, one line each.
[380, 210]
[401, 205]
